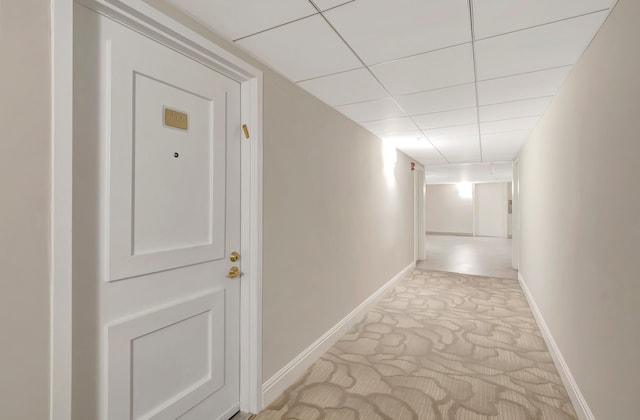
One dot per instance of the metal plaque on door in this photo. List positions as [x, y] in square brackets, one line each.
[176, 119]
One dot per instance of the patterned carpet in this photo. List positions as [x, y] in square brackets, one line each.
[440, 346]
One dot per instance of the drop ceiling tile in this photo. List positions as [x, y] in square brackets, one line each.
[505, 139]
[466, 158]
[467, 152]
[494, 17]
[239, 18]
[438, 100]
[499, 156]
[524, 86]
[424, 154]
[328, 4]
[447, 119]
[452, 133]
[478, 172]
[458, 149]
[372, 110]
[302, 50]
[460, 146]
[392, 126]
[345, 88]
[553, 45]
[517, 109]
[383, 30]
[456, 142]
[413, 140]
[433, 70]
[503, 146]
[514, 124]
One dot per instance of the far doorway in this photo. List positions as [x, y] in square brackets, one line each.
[468, 228]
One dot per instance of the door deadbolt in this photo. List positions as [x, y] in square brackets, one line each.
[234, 272]
[234, 256]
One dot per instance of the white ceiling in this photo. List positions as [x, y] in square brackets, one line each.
[449, 82]
[470, 172]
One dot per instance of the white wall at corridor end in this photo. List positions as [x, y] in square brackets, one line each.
[580, 218]
[478, 209]
[447, 210]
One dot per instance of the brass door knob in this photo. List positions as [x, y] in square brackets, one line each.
[234, 272]
[234, 256]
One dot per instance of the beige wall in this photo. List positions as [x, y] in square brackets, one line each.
[446, 211]
[336, 225]
[24, 212]
[580, 217]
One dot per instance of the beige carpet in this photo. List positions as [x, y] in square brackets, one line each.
[440, 346]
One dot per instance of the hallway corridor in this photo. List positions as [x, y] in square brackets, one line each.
[480, 256]
[440, 346]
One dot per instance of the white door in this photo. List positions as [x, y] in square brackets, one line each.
[157, 167]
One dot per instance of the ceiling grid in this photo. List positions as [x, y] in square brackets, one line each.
[475, 73]
[455, 82]
[376, 78]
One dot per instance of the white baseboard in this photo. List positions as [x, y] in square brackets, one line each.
[448, 233]
[289, 374]
[579, 403]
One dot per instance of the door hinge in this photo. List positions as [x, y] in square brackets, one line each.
[245, 129]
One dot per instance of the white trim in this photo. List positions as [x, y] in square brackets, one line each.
[147, 20]
[251, 245]
[289, 374]
[474, 210]
[61, 209]
[515, 216]
[579, 403]
[430, 232]
[423, 217]
[416, 210]
[421, 230]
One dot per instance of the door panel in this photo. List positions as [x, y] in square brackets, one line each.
[164, 362]
[173, 195]
[166, 184]
[156, 213]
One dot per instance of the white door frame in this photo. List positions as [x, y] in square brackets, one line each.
[145, 19]
[515, 216]
[419, 230]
